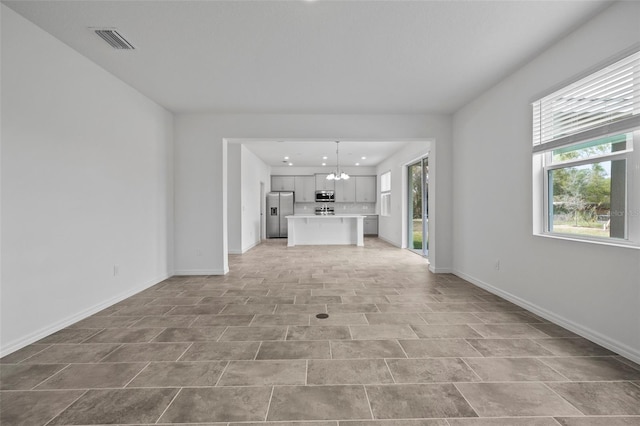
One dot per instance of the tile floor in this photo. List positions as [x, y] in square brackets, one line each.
[401, 347]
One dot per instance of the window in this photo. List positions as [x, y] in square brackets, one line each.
[586, 148]
[385, 194]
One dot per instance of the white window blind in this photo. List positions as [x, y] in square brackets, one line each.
[385, 182]
[605, 102]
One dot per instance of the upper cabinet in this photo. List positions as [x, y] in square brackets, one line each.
[322, 184]
[365, 189]
[283, 183]
[358, 189]
[346, 191]
[305, 187]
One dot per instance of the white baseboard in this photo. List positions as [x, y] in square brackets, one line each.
[201, 271]
[389, 241]
[59, 325]
[599, 338]
[250, 246]
[244, 249]
[440, 270]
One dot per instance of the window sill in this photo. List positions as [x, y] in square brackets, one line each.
[589, 241]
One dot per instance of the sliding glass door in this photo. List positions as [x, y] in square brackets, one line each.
[418, 207]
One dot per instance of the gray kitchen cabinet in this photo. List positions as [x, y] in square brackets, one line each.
[282, 183]
[365, 189]
[322, 184]
[305, 189]
[370, 225]
[346, 191]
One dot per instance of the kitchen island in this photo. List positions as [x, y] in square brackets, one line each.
[325, 230]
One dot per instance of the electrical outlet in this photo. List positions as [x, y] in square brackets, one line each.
[497, 265]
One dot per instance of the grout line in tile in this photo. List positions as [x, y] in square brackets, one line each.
[31, 356]
[162, 330]
[65, 408]
[185, 351]
[266, 415]
[465, 398]
[471, 368]
[403, 351]
[562, 397]
[137, 374]
[222, 334]
[366, 394]
[168, 405]
[194, 320]
[255, 357]
[113, 351]
[222, 373]
[556, 371]
[390, 372]
[91, 336]
[52, 376]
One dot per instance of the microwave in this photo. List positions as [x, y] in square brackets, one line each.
[325, 197]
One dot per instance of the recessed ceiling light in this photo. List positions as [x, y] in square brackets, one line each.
[286, 158]
[291, 164]
[324, 158]
[363, 158]
[324, 164]
[357, 164]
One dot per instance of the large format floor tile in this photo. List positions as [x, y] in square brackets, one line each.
[598, 421]
[34, 408]
[226, 404]
[117, 406]
[264, 373]
[179, 374]
[26, 376]
[318, 403]
[417, 401]
[515, 399]
[87, 376]
[431, 370]
[601, 398]
[400, 347]
[513, 370]
[348, 372]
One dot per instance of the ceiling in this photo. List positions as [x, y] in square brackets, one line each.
[310, 153]
[312, 57]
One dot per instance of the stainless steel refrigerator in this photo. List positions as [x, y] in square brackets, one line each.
[279, 205]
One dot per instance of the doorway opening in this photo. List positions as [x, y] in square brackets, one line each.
[261, 203]
[418, 206]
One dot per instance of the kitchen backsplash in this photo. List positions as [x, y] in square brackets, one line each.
[340, 208]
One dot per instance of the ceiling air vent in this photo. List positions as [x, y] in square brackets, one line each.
[114, 38]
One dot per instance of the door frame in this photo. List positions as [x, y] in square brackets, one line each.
[425, 205]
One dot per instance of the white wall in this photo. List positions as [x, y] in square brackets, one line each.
[254, 171]
[393, 228]
[86, 185]
[234, 224]
[200, 206]
[302, 171]
[592, 289]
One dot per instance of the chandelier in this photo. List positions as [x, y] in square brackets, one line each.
[337, 175]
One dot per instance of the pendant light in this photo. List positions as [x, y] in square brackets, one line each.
[338, 175]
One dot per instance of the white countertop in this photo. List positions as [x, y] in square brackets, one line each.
[328, 216]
